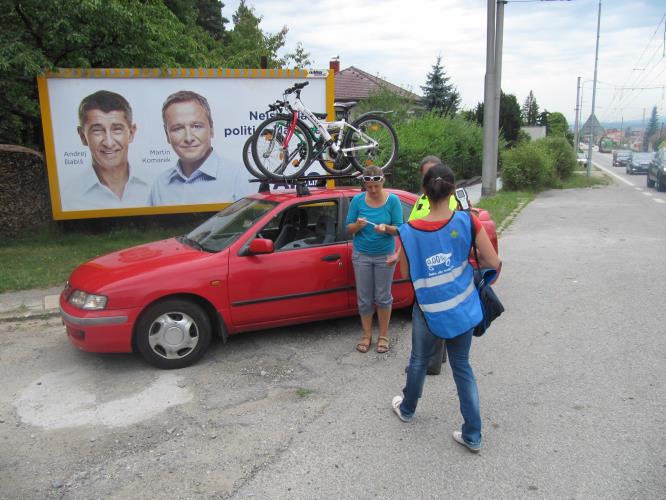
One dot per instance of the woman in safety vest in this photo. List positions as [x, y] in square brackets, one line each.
[435, 257]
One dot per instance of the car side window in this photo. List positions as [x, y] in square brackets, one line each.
[304, 225]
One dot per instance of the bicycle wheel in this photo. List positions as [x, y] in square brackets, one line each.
[248, 161]
[338, 164]
[270, 155]
[376, 143]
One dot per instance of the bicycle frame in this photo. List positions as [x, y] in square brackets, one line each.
[299, 109]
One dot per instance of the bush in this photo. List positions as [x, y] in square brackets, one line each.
[527, 166]
[562, 154]
[456, 141]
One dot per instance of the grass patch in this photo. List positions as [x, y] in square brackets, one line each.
[303, 393]
[580, 180]
[46, 258]
[504, 203]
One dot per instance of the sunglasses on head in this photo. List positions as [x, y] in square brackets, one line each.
[372, 178]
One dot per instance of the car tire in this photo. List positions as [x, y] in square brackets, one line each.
[659, 184]
[173, 333]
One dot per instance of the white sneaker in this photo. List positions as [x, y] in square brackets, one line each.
[458, 438]
[397, 401]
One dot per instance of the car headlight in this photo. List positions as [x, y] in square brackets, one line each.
[87, 301]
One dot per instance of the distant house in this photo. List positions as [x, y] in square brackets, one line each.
[353, 84]
[534, 131]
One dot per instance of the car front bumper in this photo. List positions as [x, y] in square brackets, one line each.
[98, 331]
[637, 169]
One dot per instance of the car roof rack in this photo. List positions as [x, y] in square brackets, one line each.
[304, 182]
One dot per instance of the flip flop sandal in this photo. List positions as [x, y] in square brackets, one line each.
[383, 345]
[364, 345]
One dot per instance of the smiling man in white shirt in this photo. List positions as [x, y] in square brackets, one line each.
[106, 127]
[198, 177]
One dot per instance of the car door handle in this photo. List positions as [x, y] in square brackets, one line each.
[331, 258]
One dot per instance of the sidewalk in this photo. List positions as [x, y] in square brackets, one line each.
[29, 303]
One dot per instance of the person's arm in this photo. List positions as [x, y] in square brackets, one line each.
[354, 223]
[396, 217]
[404, 266]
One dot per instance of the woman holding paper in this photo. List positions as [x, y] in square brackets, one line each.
[373, 220]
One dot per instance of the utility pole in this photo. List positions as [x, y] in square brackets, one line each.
[594, 95]
[490, 121]
[491, 96]
[576, 119]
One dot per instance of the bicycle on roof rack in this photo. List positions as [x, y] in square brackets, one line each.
[285, 145]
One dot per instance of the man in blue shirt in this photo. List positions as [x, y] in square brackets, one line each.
[107, 128]
[198, 177]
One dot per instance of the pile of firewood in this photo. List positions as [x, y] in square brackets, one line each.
[25, 201]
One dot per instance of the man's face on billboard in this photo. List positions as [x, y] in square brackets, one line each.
[188, 130]
[108, 135]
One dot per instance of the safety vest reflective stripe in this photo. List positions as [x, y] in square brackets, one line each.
[442, 279]
[448, 304]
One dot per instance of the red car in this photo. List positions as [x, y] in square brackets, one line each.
[268, 260]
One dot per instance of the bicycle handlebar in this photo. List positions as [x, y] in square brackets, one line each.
[296, 88]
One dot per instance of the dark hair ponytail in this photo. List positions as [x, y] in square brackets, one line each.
[438, 183]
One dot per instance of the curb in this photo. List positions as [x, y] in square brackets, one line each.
[509, 219]
[12, 316]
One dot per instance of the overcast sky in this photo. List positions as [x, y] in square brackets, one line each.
[547, 45]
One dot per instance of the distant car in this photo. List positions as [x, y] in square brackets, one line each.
[271, 259]
[639, 163]
[656, 174]
[581, 158]
[621, 157]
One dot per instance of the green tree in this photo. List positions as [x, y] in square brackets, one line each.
[48, 34]
[247, 43]
[439, 95]
[300, 58]
[651, 130]
[71, 33]
[557, 125]
[509, 118]
[530, 110]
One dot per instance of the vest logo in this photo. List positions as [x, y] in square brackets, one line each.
[438, 259]
[454, 234]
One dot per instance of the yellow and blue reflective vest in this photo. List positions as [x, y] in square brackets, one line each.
[422, 207]
[442, 276]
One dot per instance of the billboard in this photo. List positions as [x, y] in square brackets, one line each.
[149, 141]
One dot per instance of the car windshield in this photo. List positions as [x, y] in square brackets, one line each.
[225, 227]
[623, 152]
[643, 157]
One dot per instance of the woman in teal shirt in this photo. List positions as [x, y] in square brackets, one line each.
[373, 219]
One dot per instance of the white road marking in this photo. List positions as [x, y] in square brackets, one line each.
[614, 175]
[58, 400]
[647, 193]
[638, 189]
[659, 200]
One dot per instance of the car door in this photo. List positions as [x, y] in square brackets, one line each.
[305, 277]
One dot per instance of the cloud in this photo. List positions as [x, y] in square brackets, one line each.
[547, 45]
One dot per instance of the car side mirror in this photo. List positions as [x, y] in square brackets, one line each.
[260, 246]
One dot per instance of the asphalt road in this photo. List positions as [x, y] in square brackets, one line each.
[571, 381]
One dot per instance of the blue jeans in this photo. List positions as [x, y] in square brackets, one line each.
[424, 344]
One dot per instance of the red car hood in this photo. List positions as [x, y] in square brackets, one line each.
[132, 262]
